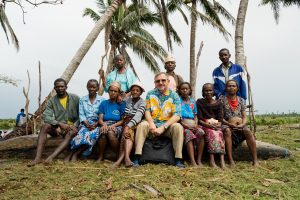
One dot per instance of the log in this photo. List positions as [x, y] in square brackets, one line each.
[25, 147]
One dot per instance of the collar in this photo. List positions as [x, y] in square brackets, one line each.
[167, 93]
[226, 67]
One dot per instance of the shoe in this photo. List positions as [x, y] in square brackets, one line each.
[179, 164]
[135, 163]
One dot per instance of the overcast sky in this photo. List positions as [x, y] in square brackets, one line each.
[53, 34]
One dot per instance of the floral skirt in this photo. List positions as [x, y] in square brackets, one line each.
[190, 134]
[86, 137]
[215, 140]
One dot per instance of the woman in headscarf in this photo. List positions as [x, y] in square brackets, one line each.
[110, 120]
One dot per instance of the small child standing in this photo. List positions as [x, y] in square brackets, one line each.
[210, 116]
[189, 121]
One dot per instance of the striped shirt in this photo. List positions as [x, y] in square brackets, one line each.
[135, 110]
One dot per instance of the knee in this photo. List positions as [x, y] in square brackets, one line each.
[176, 128]
[45, 128]
[111, 135]
[143, 124]
[227, 133]
[248, 134]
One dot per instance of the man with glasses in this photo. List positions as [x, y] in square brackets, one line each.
[163, 111]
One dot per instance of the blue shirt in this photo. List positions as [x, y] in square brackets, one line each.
[188, 110]
[112, 111]
[126, 79]
[88, 110]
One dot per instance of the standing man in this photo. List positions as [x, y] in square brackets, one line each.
[174, 79]
[121, 74]
[229, 71]
[163, 111]
[60, 119]
[21, 118]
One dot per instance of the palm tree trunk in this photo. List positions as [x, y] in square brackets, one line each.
[85, 46]
[193, 71]
[112, 53]
[239, 33]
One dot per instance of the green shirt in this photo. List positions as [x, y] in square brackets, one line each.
[55, 113]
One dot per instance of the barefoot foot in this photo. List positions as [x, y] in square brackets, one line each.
[34, 162]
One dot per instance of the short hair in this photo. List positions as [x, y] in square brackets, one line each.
[119, 55]
[160, 73]
[91, 81]
[224, 49]
[205, 84]
[179, 86]
[22, 110]
[227, 82]
[60, 80]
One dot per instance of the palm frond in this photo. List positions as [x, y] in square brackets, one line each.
[91, 13]
[221, 10]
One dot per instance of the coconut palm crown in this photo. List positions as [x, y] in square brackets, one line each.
[126, 29]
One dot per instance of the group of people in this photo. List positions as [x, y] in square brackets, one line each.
[125, 120]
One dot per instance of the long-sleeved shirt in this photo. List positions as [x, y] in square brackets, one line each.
[135, 110]
[55, 112]
[235, 72]
[88, 110]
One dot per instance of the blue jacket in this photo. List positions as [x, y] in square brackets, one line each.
[235, 72]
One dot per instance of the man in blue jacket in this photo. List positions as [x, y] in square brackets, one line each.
[228, 71]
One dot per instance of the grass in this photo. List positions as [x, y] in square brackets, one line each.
[274, 179]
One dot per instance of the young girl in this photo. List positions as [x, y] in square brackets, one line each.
[210, 118]
[189, 121]
[88, 133]
[110, 120]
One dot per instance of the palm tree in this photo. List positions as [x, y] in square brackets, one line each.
[210, 15]
[7, 27]
[275, 4]
[125, 30]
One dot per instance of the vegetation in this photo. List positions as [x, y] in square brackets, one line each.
[7, 123]
[274, 179]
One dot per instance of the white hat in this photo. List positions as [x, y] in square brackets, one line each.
[139, 84]
[169, 58]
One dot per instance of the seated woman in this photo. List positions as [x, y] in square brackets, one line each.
[189, 121]
[88, 133]
[134, 112]
[234, 123]
[210, 118]
[110, 120]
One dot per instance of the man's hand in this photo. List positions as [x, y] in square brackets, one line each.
[63, 126]
[160, 130]
[152, 127]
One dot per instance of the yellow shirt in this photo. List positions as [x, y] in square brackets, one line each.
[63, 102]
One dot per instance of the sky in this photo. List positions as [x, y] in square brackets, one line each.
[53, 34]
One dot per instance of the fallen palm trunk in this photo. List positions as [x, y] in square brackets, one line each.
[25, 147]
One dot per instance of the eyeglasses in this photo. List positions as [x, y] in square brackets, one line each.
[160, 80]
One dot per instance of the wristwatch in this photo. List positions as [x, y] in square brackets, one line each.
[165, 127]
